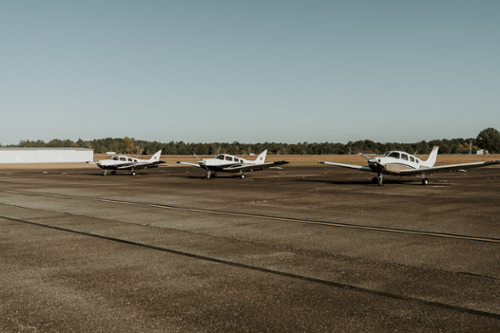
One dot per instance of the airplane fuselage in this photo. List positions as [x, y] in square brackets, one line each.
[235, 164]
[222, 162]
[393, 162]
[116, 162]
[121, 162]
[399, 163]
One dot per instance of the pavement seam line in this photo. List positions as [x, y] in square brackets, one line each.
[270, 271]
[287, 219]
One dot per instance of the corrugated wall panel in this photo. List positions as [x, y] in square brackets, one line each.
[45, 156]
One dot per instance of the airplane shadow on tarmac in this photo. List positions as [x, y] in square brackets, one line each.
[408, 182]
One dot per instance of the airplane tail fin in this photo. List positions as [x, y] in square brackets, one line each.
[432, 157]
[156, 156]
[262, 157]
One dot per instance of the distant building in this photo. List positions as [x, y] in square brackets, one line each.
[366, 152]
[45, 155]
[474, 152]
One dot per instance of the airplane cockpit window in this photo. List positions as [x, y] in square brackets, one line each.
[219, 157]
[129, 159]
[236, 160]
[114, 158]
[411, 159]
[394, 154]
[229, 158]
[404, 157]
[123, 159]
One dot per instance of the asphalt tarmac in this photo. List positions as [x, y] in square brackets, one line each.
[303, 249]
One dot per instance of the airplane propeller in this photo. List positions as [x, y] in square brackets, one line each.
[373, 160]
[365, 156]
[200, 161]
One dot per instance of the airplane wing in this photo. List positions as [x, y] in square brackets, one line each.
[137, 166]
[191, 164]
[255, 166]
[449, 168]
[349, 166]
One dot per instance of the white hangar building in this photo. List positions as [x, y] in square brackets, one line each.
[45, 155]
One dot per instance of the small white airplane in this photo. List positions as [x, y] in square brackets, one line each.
[230, 163]
[399, 163]
[121, 162]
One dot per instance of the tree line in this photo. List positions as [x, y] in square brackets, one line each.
[488, 139]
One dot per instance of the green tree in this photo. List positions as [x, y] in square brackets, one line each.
[114, 147]
[489, 139]
[55, 143]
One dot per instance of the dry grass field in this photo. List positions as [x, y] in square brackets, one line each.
[293, 159]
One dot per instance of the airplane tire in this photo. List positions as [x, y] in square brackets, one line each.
[425, 181]
[242, 176]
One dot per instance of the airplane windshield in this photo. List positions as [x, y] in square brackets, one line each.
[115, 158]
[394, 154]
[219, 157]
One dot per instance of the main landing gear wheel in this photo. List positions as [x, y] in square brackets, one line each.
[242, 176]
[133, 173]
[374, 180]
[425, 181]
[105, 172]
[113, 172]
[208, 176]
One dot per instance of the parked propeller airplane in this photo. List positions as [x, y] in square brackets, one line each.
[398, 163]
[230, 163]
[121, 162]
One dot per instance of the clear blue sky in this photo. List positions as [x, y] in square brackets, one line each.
[249, 71]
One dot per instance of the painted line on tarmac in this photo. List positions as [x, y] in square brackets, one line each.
[277, 218]
[270, 271]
